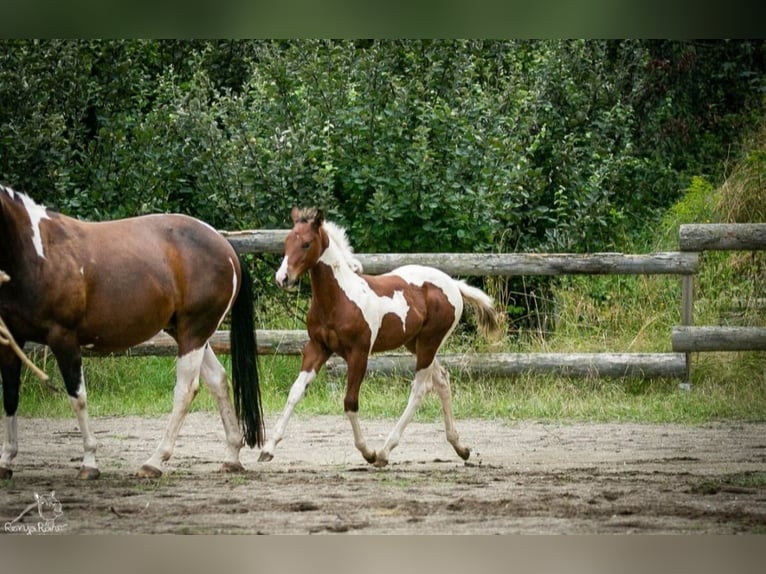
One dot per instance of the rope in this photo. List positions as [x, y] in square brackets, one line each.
[7, 339]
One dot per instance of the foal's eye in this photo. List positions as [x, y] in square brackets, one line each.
[306, 245]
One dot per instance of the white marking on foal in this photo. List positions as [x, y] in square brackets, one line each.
[374, 307]
[296, 393]
[36, 214]
[281, 274]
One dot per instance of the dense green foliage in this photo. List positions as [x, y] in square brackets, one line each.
[414, 145]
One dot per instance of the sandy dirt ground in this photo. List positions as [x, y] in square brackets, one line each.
[524, 477]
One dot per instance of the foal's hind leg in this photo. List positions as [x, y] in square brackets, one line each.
[442, 387]
[214, 375]
[187, 384]
[421, 384]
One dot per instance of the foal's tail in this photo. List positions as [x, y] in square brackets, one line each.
[244, 363]
[487, 316]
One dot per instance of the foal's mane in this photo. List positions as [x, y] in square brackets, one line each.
[338, 236]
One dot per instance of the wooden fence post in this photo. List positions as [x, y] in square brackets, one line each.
[687, 320]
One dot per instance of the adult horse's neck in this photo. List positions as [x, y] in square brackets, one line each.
[19, 232]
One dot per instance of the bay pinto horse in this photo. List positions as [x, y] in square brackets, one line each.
[354, 315]
[110, 285]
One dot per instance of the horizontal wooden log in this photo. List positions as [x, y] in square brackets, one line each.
[485, 264]
[722, 237]
[664, 365]
[270, 342]
[701, 339]
[514, 264]
[257, 240]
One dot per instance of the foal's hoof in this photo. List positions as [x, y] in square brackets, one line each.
[88, 473]
[463, 453]
[380, 462]
[265, 456]
[371, 458]
[148, 471]
[5, 473]
[232, 467]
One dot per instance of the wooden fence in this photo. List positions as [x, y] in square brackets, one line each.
[686, 338]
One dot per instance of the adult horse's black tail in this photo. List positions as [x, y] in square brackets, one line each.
[244, 363]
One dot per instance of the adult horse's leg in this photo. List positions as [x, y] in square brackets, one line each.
[357, 368]
[188, 368]
[11, 375]
[69, 360]
[314, 356]
[214, 375]
[442, 386]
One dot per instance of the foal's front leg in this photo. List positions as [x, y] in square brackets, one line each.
[314, 356]
[357, 368]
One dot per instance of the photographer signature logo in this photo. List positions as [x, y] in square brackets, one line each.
[48, 520]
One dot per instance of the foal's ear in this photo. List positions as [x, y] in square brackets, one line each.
[318, 219]
[295, 214]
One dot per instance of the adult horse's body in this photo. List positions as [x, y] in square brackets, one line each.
[108, 286]
[354, 315]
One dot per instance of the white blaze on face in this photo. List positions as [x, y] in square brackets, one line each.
[281, 275]
[36, 214]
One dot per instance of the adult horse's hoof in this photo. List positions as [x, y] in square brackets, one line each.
[265, 456]
[232, 467]
[5, 473]
[464, 453]
[380, 462]
[148, 471]
[88, 473]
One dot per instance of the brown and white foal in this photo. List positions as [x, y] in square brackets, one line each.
[354, 315]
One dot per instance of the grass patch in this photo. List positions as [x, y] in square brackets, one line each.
[735, 483]
[729, 386]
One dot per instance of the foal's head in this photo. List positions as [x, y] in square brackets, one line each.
[303, 247]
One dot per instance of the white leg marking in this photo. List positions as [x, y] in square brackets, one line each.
[359, 441]
[11, 442]
[421, 384]
[296, 393]
[442, 387]
[214, 375]
[79, 405]
[187, 383]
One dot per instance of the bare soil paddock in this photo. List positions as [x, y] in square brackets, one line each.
[524, 477]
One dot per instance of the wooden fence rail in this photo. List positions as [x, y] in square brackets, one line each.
[685, 338]
[688, 338]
